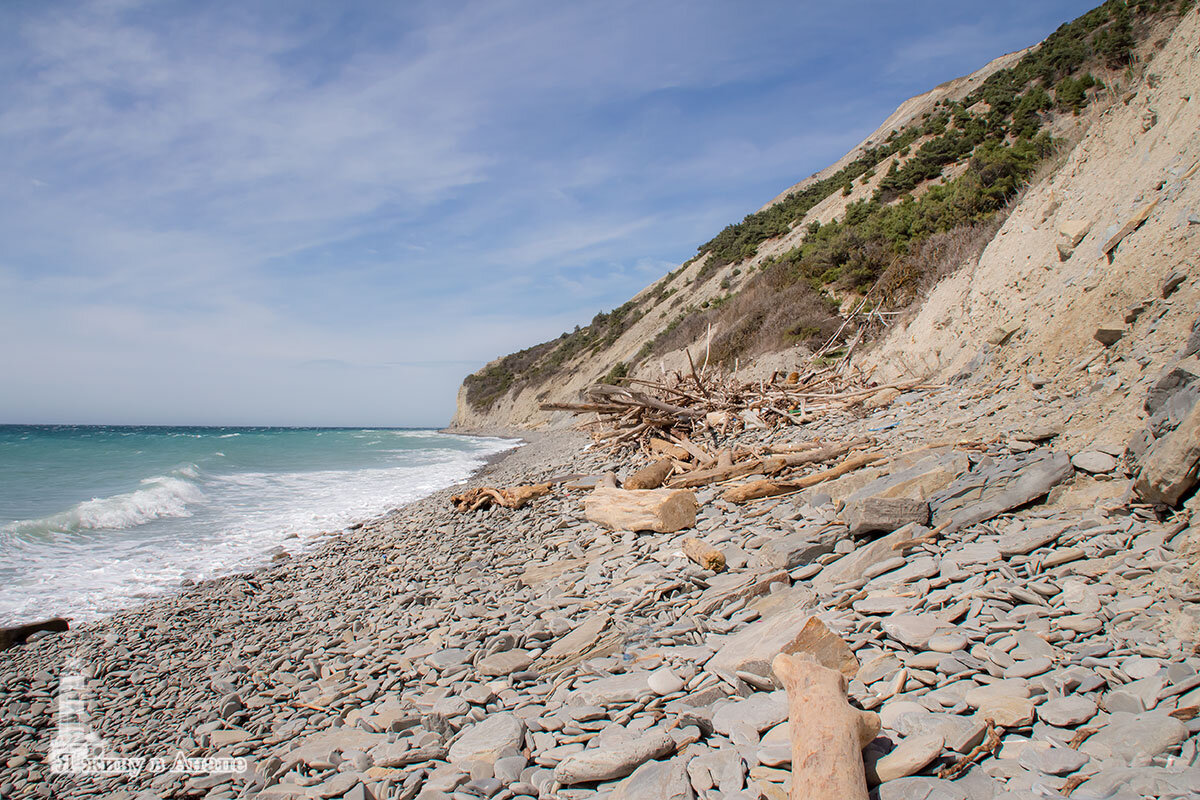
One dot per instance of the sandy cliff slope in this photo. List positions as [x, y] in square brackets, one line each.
[1045, 295]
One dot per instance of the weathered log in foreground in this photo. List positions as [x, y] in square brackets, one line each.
[485, 497]
[660, 510]
[828, 734]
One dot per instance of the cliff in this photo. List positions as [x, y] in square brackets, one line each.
[963, 237]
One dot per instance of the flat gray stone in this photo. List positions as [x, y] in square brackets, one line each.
[948, 642]
[1133, 736]
[920, 788]
[1052, 761]
[486, 740]
[1026, 541]
[1094, 462]
[910, 756]
[991, 489]
[612, 760]
[850, 567]
[449, 657]
[757, 712]
[664, 681]
[1007, 712]
[616, 689]
[501, 664]
[914, 630]
[656, 780]
[1029, 667]
[1067, 712]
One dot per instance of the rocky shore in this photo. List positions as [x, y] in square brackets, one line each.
[1031, 633]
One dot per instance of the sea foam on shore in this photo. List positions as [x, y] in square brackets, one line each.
[96, 518]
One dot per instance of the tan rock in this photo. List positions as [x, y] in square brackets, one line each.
[910, 757]
[661, 510]
[1074, 230]
[784, 615]
[1172, 466]
[1007, 711]
[823, 646]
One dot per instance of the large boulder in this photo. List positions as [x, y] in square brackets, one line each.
[1166, 450]
[996, 486]
[1172, 466]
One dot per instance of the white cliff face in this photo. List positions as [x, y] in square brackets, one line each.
[1042, 280]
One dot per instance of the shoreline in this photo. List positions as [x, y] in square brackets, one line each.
[312, 541]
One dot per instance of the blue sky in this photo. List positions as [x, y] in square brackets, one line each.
[300, 213]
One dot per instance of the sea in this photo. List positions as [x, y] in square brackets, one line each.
[98, 518]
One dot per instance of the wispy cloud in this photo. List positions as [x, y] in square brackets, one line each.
[206, 209]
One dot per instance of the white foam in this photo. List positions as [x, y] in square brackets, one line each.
[132, 546]
[161, 497]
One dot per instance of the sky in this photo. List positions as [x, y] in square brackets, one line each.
[330, 213]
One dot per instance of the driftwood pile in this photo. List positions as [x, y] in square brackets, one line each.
[690, 406]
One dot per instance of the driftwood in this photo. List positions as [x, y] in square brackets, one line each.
[685, 406]
[485, 497]
[11, 637]
[716, 474]
[758, 489]
[661, 510]
[828, 734]
[816, 456]
[704, 554]
[662, 447]
[652, 476]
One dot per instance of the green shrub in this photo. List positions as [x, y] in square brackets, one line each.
[614, 375]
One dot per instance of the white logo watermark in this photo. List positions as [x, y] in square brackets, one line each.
[76, 749]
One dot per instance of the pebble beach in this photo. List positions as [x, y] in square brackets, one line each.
[1037, 648]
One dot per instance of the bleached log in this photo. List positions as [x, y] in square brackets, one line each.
[667, 449]
[757, 489]
[818, 456]
[828, 734]
[661, 510]
[701, 477]
[651, 476]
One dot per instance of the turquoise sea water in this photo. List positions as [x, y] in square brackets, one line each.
[95, 518]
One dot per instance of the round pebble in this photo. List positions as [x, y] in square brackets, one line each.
[947, 642]
[664, 681]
